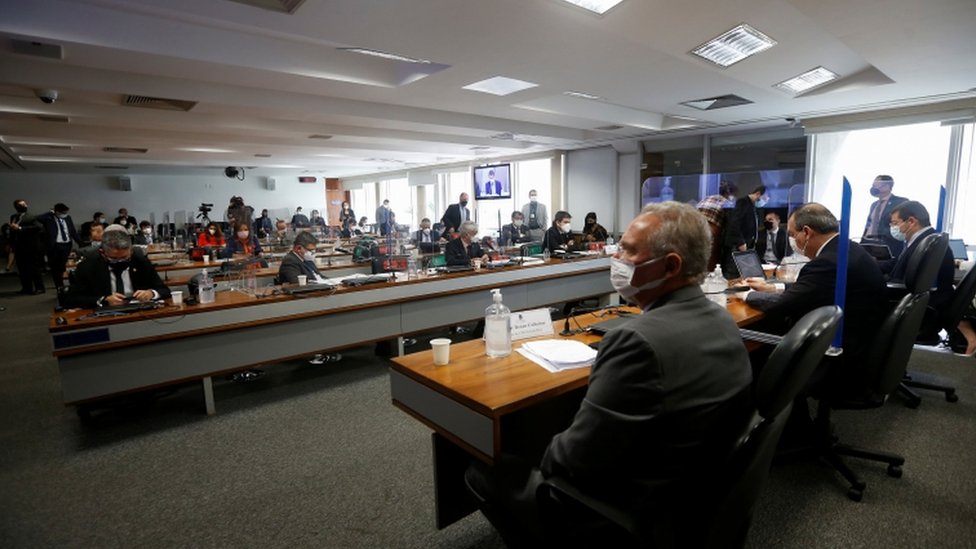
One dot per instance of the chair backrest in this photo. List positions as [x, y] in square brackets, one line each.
[887, 357]
[962, 296]
[923, 266]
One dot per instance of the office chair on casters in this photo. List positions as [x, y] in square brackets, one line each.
[950, 317]
[883, 369]
[715, 508]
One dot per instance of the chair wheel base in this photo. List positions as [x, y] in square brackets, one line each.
[952, 397]
[894, 471]
[855, 494]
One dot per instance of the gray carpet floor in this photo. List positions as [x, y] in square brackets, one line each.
[316, 456]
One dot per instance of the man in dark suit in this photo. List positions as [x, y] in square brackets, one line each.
[126, 220]
[662, 404]
[772, 232]
[454, 215]
[461, 250]
[113, 277]
[424, 238]
[300, 261]
[86, 227]
[879, 214]
[814, 229]
[910, 224]
[60, 237]
[515, 232]
[26, 237]
[743, 226]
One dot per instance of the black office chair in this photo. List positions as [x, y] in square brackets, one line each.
[883, 369]
[923, 265]
[950, 317]
[715, 509]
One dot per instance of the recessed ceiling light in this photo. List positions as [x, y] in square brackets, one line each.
[720, 102]
[807, 81]
[582, 95]
[734, 46]
[596, 6]
[500, 85]
[319, 136]
[385, 55]
[204, 150]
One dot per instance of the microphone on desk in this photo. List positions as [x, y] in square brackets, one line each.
[572, 312]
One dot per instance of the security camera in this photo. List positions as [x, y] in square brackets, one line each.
[47, 96]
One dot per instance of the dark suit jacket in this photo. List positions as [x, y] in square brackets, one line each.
[866, 302]
[452, 218]
[743, 224]
[455, 254]
[30, 238]
[652, 419]
[884, 231]
[512, 235]
[92, 280]
[943, 280]
[554, 239]
[781, 246]
[51, 228]
[292, 266]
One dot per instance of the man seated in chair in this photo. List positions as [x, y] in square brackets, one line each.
[463, 249]
[910, 224]
[662, 405]
[114, 276]
[300, 261]
[813, 233]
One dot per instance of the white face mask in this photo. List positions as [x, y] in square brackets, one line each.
[517, 223]
[426, 230]
[308, 256]
[242, 234]
[213, 231]
[796, 249]
[533, 199]
[621, 274]
[147, 231]
[566, 227]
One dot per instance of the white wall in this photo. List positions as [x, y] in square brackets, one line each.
[157, 195]
[591, 185]
[628, 190]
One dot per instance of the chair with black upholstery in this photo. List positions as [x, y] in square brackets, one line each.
[923, 265]
[714, 509]
[882, 371]
[950, 317]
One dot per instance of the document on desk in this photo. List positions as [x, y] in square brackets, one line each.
[557, 355]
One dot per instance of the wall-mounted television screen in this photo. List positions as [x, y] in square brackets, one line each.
[491, 182]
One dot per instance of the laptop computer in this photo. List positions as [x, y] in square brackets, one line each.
[958, 248]
[877, 250]
[308, 288]
[748, 264]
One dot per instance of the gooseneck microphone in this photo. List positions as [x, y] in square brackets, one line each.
[572, 312]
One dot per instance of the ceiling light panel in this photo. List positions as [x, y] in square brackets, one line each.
[813, 78]
[583, 95]
[500, 85]
[734, 46]
[596, 6]
[385, 55]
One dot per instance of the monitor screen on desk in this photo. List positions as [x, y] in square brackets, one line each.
[958, 248]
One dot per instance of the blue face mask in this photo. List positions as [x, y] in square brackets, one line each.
[761, 203]
[897, 234]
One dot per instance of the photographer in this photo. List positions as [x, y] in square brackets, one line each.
[238, 213]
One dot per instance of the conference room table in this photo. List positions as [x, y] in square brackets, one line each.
[101, 356]
[480, 407]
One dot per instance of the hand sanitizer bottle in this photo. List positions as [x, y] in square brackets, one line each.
[207, 294]
[498, 327]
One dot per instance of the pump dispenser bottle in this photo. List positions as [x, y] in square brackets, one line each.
[498, 327]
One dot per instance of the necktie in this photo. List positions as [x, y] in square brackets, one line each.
[119, 283]
[310, 267]
[64, 230]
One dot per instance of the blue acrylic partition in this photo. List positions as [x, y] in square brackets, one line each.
[840, 288]
[942, 205]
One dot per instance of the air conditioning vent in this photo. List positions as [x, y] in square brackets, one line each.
[132, 150]
[610, 128]
[319, 136]
[283, 6]
[39, 49]
[58, 147]
[157, 103]
[720, 102]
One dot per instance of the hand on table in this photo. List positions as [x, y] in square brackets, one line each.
[760, 285]
[115, 299]
[143, 295]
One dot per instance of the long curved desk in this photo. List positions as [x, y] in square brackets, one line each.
[103, 356]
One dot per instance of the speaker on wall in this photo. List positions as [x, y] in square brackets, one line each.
[125, 183]
[270, 183]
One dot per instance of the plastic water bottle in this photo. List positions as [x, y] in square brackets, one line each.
[609, 240]
[251, 281]
[667, 193]
[412, 268]
[498, 327]
[207, 294]
[545, 255]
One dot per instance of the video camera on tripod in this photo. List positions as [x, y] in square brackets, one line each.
[204, 209]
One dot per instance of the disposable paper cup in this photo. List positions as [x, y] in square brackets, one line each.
[477, 264]
[442, 350]
[302, 280]
[177, 296]
[206, 260]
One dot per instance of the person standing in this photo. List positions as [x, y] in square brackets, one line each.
[263, 226]
[454, 216]
[385, 218]
[61, 237]
[26, 232]
[347, 217]
[715, 209]
[879, 214]
[536, 217]
[743, 227]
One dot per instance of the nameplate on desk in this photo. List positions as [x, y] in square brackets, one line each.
[531, 323]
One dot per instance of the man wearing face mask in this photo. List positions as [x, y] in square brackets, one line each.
[424, 239]
[300, 261]
[145, 235]
[660, 401]
[26, 232]
[61, 237]
[464, 248]
[535, 216]
[558, 238]
[813, 232]
[96, 241]
[743, 226]
[772, 244]
[86, 227]
[114, 276]
[454, 216]
[879, 214]
[515, 232]
[300, 220]
[263, 226]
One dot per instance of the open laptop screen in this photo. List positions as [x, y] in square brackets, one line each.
[958, 248]
[748, 264]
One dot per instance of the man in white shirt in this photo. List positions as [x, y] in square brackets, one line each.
[772, 243]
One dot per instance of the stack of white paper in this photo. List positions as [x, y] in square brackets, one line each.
[556, 355]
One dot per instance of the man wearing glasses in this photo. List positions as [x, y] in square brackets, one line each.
[114, 276]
